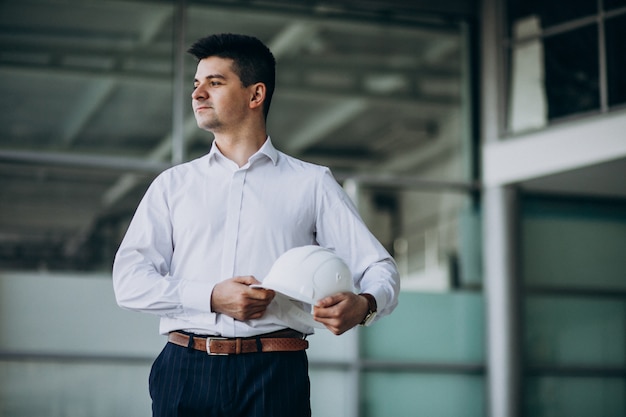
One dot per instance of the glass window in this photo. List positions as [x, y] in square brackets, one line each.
[436, 328]
[575, 331]
[573, 243]
[613, 4]
[575, 397]
[555, 61]
[552, 77]
[550, 12]
[572, 72]
[399, 394]
[616, 59]
[431, 234]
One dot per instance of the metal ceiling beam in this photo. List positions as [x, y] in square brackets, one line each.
[296, 87]
[325, 122]
[291, 38]
[96, 96]
[53, 57]
[119, 163]
[126, 182]
[421, 17]
[81, 119]
[93, 99]
[417, 102]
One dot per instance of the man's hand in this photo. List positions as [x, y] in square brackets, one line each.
[236, 299]
[341, 312]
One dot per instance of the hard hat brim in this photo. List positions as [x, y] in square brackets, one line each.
[293, 309]
[288, 292]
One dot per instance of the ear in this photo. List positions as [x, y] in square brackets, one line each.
[258, 90]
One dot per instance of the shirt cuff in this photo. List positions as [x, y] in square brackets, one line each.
[195, 296]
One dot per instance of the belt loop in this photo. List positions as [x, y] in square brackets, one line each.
[259, 345]
[190, 345]
[238, 346]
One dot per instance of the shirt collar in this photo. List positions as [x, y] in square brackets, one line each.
[267, 149]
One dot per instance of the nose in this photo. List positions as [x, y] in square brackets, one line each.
[198, 93]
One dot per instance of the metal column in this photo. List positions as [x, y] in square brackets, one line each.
[178, 82]
[502, 301]
[500, 233]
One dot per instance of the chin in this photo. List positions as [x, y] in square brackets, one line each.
[208, 125]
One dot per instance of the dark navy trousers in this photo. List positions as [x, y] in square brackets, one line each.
[187, 382]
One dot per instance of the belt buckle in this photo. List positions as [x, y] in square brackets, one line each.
[208, 346]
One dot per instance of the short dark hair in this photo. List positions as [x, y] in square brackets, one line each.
[253, 62]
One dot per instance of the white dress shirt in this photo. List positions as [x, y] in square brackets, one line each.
[208, 220]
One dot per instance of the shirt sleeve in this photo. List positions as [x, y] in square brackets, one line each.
[142, 278]
[341, 228]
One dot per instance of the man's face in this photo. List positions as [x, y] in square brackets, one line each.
[219, 100]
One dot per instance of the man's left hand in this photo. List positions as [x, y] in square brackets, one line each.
[341, 312]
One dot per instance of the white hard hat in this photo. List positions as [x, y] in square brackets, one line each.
[308, 274]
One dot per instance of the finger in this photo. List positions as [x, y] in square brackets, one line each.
[324, 313]
[247, 280]
[334, 325]
[331, 300]
[255, 312]
[261, 294]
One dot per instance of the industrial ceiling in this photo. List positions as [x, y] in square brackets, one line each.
[95, 102]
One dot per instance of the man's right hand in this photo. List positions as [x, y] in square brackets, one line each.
[236, 299]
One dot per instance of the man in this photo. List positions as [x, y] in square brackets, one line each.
[209, 229]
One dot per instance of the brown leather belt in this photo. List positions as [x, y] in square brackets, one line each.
[282, 341]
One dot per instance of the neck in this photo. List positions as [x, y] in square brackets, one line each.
[239, 149]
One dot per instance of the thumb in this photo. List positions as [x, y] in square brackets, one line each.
[247, 280]
[328, 301]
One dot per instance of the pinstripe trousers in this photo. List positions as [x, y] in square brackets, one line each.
[187, 382]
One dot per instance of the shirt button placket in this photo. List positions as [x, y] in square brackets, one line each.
[235, 197]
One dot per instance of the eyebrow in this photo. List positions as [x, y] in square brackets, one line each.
[220, 76]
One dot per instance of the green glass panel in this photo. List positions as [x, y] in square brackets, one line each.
[470, 247]
[574, 243]
[575, 397]
[575, 331]
[429, 327]
[409, 395]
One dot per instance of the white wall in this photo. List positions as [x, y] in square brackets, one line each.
[67, 349]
